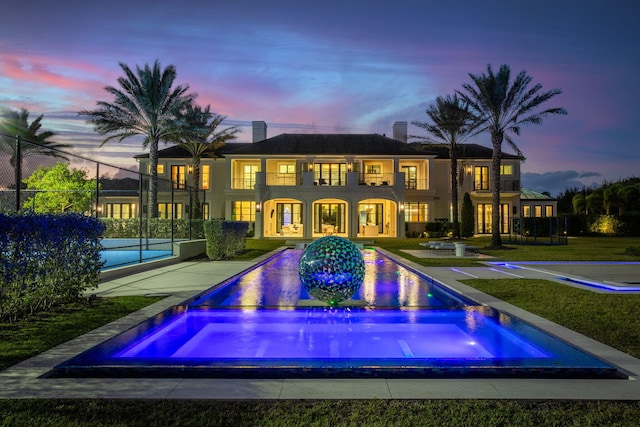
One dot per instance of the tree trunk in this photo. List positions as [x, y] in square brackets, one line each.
[496, 141]
[196, 209]
[454, 190]
[153, 181]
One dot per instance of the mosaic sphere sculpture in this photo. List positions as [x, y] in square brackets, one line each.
[331, 269]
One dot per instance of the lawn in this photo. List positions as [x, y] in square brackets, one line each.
[612, 319]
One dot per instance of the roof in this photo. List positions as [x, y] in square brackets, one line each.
[334, 144]
[526, 194]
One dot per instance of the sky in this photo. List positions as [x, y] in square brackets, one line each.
[339, 67]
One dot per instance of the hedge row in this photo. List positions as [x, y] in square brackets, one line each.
[224, 238]
[46, 260]
[155, 228]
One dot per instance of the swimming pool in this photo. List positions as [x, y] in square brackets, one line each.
[262, 324]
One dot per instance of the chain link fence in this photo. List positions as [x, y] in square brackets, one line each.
[118, 196]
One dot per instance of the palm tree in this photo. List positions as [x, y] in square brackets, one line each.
[145, 104]
[15, 124]
[451, 123]
[200, 135]
[503, 106]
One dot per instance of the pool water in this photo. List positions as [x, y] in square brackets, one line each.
[401, 323]
[118, 258]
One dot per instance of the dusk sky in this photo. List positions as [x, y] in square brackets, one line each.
[340, 67]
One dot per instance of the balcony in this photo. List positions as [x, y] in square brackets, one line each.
[376, 179]
[284, 180]
[506, 185]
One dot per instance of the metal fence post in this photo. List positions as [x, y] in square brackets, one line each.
[18, 167]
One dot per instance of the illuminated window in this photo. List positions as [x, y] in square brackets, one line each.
[506, 169]
[537, 211]
[243, 211]
[548, 210]
[120, 210]
[159, 169]
[286, 168]
[179, 176]
[416, 212]
[526, 211]
[330, 173]
[205, 210]
[481, 179]
[167, 210]
[205, 173]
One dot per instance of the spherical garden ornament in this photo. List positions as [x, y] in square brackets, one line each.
[331, 269]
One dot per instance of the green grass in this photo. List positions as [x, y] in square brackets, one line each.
[397, 413]
[256, 247]
[612, 319]
[26, 338]
[578, 249]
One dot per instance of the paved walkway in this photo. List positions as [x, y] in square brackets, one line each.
[181, 281]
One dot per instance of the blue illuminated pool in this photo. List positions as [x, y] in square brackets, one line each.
[262, 324]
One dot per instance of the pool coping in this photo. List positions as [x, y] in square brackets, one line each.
[24, 379]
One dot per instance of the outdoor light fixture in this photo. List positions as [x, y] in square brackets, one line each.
[401, 207]
[258, 207]
[190, 168]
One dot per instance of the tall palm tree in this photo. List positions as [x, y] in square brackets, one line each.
[145, 104]
[16, 124]
[503, 106]
[451, 123]
[200, 135]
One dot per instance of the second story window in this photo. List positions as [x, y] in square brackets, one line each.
[506, 169]
[481, 178]
[179, 176]
[205, 174]
[330, 173]
[249, 176]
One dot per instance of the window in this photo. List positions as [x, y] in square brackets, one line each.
[330, 173]
[374, 169]
[285, 168]
[249, 176]
[120, 210]
[410, 177]
[537, 211]
[243, 211]
[179, 176]
[416, 212]
[484, 218]
[548, 210]
[526, 211]
[506, 169]
[329, 214]
[167, 210]
[481, 179]
[159, 169]
[205, 173]
[288, 214]
[205, 210]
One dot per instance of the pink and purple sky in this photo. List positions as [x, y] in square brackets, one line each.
[339, 67]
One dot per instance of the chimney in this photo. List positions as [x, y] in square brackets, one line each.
[400, 131]
[259, 131]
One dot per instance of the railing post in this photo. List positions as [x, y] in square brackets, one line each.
[18, 169]
[97, 187]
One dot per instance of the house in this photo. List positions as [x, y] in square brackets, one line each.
[350, 185]
[534, 204]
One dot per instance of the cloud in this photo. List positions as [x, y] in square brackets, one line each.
[558, 181]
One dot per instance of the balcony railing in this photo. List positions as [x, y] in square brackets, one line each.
[505, 185]
[376, 179]
[243, 184]
[288, 180]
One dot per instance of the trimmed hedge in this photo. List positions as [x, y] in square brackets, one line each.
[159, 228]
[46, 260]
[225, 238]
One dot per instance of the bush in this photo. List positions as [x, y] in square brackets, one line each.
[46, 260]
[467, 220]
[183, 228]
[225, 239]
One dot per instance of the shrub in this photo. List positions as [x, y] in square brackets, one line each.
[225, 239]
[467, 219]
[46, 260]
